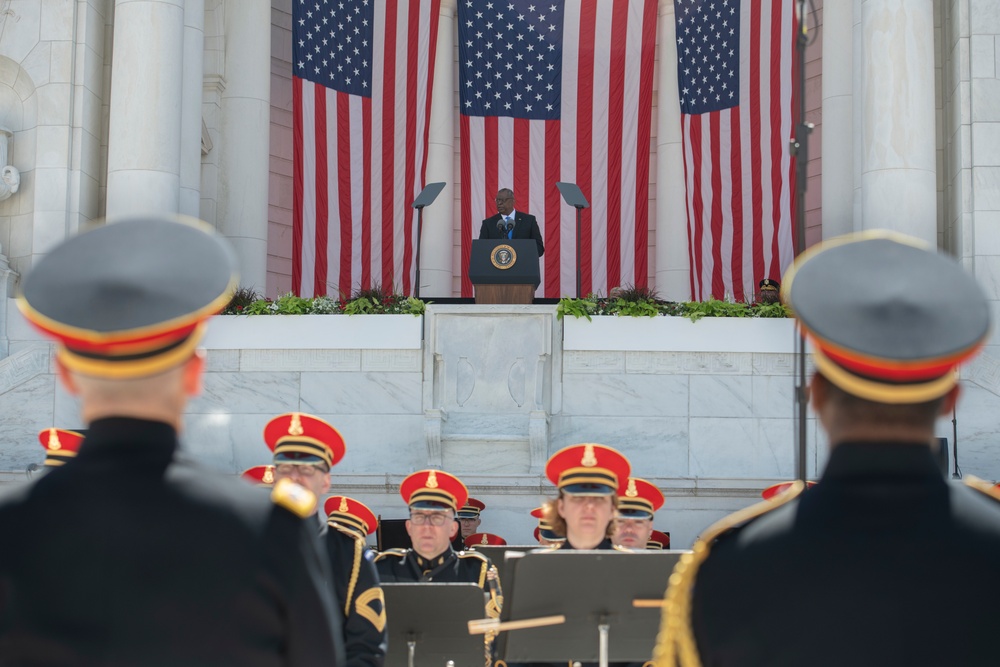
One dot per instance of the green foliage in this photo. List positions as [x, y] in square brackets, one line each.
[374, 301]
[289, 304]
[575, 307]
[242, 298]
[631, 301]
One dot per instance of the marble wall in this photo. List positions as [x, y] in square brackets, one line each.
[489, 392]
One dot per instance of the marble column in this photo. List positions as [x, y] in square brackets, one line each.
[673, 280]
[895, 73]
[194, 57]
[145, 117]
[244, 159]
[837, 180]
[437, 241]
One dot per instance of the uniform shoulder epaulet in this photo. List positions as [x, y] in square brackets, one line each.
[399, 553]
[298, 500]
[982, 486]
[472, 554]
[676, 644]
[346, 531]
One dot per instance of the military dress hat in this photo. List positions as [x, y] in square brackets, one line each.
[61, 445]
[259, 475]
[588, 469]
[130, 299]
[544, 528]
[769, 285]
[350, 513]
[433, 490]
[889, 318]
[658, 540]
[775, 490]
[471, 509]
[296, 437]
[484, 540]
[640, 500]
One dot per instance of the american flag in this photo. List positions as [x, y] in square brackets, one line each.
[361, 90]
[555, 91]
[735, 72]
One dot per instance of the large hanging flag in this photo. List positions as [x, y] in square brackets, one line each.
[361, 91]
[554, 90]
[736, 72]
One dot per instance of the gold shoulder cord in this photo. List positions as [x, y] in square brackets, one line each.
[676, 644]
[982, 486]
[359, 548]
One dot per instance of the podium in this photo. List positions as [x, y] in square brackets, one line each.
[504, 271]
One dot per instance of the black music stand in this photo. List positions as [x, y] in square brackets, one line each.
[573, 195]
[428, 624]
[424, 199]
[595, 591]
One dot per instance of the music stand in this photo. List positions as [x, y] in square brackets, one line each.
[573, 195]
[597, 592]
[424, 199]
[429, 624]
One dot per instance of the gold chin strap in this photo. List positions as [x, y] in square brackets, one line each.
[675, 645]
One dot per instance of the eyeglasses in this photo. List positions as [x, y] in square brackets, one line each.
[501, 200]
[305, 470]
[436, 519]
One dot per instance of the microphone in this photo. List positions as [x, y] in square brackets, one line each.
[501, 226]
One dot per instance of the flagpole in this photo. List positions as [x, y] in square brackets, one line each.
[800, 150]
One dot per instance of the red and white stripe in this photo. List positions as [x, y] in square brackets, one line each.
[360, 162]
[601, 143]
[739, 173]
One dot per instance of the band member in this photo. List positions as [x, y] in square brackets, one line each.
[634, 523]
[305, 449]
[658, 541]
[544, 534]
[129, 553]
[484, 540]
[61, 445]
[588, 477]
[875, 564]
[433, 497]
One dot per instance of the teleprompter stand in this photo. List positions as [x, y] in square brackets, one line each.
[428, 624]
[608, 601]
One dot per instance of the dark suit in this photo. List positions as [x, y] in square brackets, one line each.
[882, 563]
[525, 227]
[356, 584]
[127, 556]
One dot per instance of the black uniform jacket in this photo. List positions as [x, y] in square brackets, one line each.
[406, 566]
[357, 587]
[525, 227]
[124, 556]
[882, 563]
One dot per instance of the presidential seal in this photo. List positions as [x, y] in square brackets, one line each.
[503, 257]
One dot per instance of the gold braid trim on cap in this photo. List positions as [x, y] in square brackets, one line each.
[676, 644]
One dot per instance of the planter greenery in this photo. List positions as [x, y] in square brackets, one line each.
[374, 301]
[644, 302]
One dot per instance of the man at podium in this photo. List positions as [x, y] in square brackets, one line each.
[511, 224]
